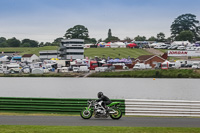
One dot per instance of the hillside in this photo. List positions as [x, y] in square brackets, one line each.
[90, 52]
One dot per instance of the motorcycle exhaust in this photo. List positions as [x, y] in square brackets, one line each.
[112, 112]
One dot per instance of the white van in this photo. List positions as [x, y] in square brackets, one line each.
[140, 66]
[83, 69]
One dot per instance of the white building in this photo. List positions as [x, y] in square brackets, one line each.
[30, 58]
[71, 49]
[48, 54]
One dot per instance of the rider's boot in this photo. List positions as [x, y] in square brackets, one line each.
[107, 109]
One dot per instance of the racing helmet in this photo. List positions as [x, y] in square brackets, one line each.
[100, 94]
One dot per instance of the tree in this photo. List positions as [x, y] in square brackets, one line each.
[47, 44]
[90, 40]
[77, 32]
[111, 38]
[185, 36]
[152, 38]
[3, 42]
[13, 42]
[169, 40]
[185, 22]
[41, 44]
[57, 41]
[100, 40]
[140, 38]
[128, 39]
[161, 37]
[109, 33]
[29, 43]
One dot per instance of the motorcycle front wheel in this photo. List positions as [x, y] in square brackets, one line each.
[86, 114]
[117, 115]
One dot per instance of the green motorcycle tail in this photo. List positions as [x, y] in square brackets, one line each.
[118, 114]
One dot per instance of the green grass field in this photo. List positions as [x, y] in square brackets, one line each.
[115, 52]
[91, 52]
[28, 50]
[93, 129]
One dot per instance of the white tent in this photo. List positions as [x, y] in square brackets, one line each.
[114, 45]
[181, 43]
[121, 44]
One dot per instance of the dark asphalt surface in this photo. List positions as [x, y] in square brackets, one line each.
[78, 121]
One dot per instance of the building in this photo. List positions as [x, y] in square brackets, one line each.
[48, 54]
[71, 49]
[30, 58]
[152, 60]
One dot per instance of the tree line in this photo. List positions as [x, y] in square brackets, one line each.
[184, 28]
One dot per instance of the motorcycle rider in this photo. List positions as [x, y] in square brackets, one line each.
[105, 99]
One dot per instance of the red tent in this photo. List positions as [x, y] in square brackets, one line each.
[131, 45]
[108, 44]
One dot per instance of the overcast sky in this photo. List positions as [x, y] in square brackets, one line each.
[46, 20]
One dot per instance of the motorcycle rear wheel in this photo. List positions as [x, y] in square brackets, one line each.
[117, 115]
[86, 114]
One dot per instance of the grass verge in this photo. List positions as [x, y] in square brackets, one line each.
[173, 73]
[37, 114]
[93, 129]
[44, 75]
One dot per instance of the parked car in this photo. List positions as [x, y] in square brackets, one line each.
[76, 69]
[181, 48]
[190, 48]
[157, 47]
[173, 47]
[164, 46]
[110, 69]
[101, 69]
[197, 48]
[196, 65]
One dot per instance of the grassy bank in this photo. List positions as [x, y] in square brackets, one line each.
[91, 52]
[93, 129]
[44, 75]
[27, 50]
[115, 52]
[176, 73]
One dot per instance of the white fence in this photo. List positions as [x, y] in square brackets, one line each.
[162, 107]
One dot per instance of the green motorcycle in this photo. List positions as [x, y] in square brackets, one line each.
[96, 109]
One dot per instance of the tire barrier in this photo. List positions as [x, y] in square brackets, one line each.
[162, 107]
[46, 105]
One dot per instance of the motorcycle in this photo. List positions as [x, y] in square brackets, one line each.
[96, 109]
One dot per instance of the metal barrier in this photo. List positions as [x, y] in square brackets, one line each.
[162, 107]
[47, 105]
[137, 107]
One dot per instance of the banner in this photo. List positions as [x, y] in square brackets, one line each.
[183, 53]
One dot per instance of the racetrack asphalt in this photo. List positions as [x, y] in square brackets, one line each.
[78, 121]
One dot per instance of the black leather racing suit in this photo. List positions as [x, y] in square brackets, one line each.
[105, 99]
